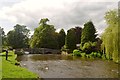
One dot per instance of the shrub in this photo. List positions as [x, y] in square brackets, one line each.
[95, 54]
[83, 54]
[87, 55]
[99, 55]
[76, 52]
[89, 47]
[94, 44]
[103, 56]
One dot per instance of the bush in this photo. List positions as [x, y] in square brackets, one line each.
[98, 55]
[94, 44]
[103, 56]
[83, 54]
[76, 52]
[89, 47]
[95, 54]
[87, 55]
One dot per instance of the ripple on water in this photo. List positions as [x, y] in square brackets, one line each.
[57, 66]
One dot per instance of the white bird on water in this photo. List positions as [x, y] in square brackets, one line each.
[24, 64]
[46, 68]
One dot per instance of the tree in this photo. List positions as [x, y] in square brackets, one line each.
[88, 33]
[61, 38]
[78, 31]
[3, 37]
[43, 21]
[0, 39]
[18, 38]
[70, 41]
[110, 37]
[44, 36]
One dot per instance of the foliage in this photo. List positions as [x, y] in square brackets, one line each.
[2, 37]
[89, 47]
[110, 36]
[44, 36]
[73, 37]
[43, 21]
[18, 38]
[103, 57]
[78, 31]
[98, 43]
[83, 55]
[99, 55]
[61, 38]
[88, 33]
[76, 52]
[70, 41]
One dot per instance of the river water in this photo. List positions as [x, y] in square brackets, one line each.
[61, 66]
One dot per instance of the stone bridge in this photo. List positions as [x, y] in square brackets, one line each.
[37, 51]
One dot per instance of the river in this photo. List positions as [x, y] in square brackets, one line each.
[61, 66]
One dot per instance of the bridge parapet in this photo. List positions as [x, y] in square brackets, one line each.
[37, 51]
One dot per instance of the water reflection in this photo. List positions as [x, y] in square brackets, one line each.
[61, 66]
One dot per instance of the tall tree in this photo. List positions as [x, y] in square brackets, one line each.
[70, 41]
[78, 31]
[3, 36]
[110, 36]
[18, 38]
[61, 38]
[88, 33]
[44, 36]
[0, 39]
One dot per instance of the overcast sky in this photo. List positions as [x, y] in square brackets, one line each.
[61, 13]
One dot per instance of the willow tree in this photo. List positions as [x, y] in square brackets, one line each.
[110, 36]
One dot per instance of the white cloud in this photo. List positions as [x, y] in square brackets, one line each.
[62, 13]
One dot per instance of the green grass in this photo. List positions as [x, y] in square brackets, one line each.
[10, 70]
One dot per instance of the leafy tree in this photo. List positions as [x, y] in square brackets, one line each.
[110, 37]
[2, 34]
[98, 45]
[88, 33]
[43, 21]
[11, 38]
[44, 36]
[61, 38]
[78, 31]
[70, 41]
[73, 37]
[18, 38]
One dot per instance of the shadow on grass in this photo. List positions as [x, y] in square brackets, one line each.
[5, 55]
[9, 60]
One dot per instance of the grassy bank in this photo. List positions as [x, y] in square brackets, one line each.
[10, 70]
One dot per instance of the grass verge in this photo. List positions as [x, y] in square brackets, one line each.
[10, 70]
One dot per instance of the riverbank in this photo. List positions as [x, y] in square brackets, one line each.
[10, 70]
